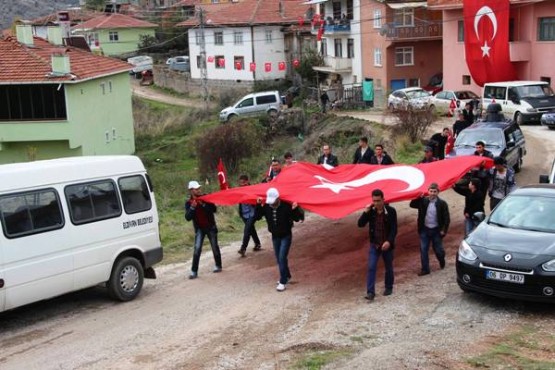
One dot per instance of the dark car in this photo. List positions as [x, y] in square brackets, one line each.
[548, 119]
[504, 139]
[511, 254]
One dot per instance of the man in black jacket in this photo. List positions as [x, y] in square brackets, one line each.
[247, 214]
[382, 227]
[204, 222]
[380, 157]
[327, 158]
[363, 154]
[433, 223]
[280, 216]
[473, 202]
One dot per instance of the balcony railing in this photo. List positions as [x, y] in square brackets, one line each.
[418, 31]
[334, 27]
[338, 64]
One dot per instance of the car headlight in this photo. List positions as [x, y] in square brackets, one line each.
[467, 253]
[549, 266]
[531, 110]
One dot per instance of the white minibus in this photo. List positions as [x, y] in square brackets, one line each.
[73, 223]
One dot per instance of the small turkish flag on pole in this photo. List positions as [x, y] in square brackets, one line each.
[222, 176]
[268, 67]
[320, 33]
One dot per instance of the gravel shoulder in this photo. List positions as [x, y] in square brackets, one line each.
[237, 320]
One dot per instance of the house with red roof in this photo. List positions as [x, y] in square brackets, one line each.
[114, 34]
[60, 101]
[251, 40]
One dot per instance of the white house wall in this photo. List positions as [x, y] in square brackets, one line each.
[255, 40]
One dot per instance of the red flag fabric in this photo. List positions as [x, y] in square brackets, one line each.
[268, 67]
[486, 40]
[339, 191]
[320, 33]
[252, 66]
[222, 176]
[210, 59]
[281, 66]
[221, 62]
[296, 63]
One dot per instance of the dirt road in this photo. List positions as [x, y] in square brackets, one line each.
[237, 320]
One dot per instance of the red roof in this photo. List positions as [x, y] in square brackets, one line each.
[75, 15]
[32, 64]
[113, 21]
[250, 12]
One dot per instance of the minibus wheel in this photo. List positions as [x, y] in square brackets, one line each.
[126, 279]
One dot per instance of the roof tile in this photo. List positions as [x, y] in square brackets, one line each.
[112, 21]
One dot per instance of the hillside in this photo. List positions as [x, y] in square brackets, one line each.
[30, 9]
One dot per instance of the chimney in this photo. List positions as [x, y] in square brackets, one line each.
[60, 64]
[24, 34]
[54, 35]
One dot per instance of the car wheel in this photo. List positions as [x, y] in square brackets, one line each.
[272, 113]
[432, 108]
[518, 118]
[232, 118]
[518, 165]
[126, 279]
[391, 107]
[551, 127]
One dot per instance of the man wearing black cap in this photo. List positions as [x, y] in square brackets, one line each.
[428, 155]
[501, 181]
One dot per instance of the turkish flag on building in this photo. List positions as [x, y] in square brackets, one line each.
[339, 191]
[210, 59]
[296, 63]
[221, 62]
[268, 67]
[252, 67]
[222, 176]
[320, 33]
[486, 40]
[281, 66]
[238, 65]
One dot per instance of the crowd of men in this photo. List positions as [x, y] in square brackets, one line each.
[381, 218]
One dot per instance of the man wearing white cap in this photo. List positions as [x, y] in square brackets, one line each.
[204, 222]
[280, 216]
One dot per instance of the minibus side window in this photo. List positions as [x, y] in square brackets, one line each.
[92, 202]
[134, 194]
[30, 213]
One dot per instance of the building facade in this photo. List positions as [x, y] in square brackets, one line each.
[531, 42]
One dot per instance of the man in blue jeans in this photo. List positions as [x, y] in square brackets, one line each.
[433, 223]
[204, 222]
[247, 214]
[280, 216]
[382, 227]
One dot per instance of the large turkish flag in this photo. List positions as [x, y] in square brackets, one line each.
[339, 191]
[486, 40]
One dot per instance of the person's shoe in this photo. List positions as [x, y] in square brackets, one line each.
[369, 296]
[193, 275]
[257, 248]
[442, 263]
[217, 269]
[242, 252]
[388, 292]
[422, 273]
[280, 287]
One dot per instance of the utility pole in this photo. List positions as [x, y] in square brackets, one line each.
[203, 71]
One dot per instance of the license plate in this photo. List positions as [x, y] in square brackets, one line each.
[505, 276]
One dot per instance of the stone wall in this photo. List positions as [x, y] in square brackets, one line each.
[183, 83]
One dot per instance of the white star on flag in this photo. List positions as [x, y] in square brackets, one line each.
[485, 49]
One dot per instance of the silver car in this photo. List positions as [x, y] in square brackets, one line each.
[408, 98]
[441, 102]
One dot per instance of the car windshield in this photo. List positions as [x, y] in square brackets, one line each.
[464, 95]
[534, 91]
[526, 212]
[417, 94]
[469, 137]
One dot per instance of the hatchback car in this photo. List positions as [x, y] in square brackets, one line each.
[411, 97]
[441, 101]
[503, 139]
[548, 119]
[511, 254]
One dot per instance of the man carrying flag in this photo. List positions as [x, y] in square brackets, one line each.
[247, 214]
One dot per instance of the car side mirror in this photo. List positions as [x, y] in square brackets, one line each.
[511, 144]
[544, 179]
[479, 216]
[515, 100]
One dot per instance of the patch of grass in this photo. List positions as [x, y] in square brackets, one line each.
[168, 91]
[408, 152]
[529, 347]
[317, 359]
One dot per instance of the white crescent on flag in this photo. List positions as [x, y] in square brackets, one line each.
[488, 12]
[412, 176]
